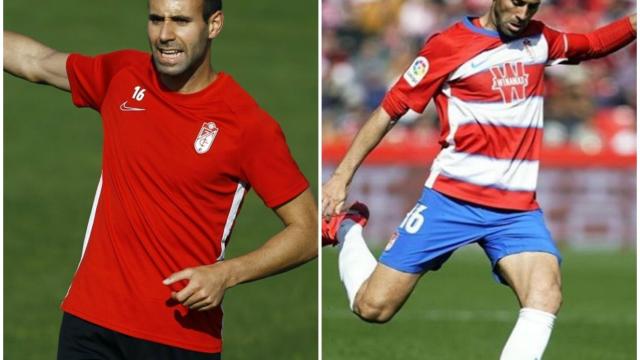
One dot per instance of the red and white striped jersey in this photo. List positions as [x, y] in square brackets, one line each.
[175, 170]
[488, 92]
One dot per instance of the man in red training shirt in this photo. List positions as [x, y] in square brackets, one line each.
[485, 75]
[182, 146]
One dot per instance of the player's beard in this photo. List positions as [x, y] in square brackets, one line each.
[503, 26]
[171, 69]
[189, 59]
[176, 75]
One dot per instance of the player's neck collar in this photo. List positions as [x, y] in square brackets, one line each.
[468, 23]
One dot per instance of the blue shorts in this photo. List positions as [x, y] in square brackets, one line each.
[438, 225]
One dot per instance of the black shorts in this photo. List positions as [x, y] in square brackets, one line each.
[82, 340]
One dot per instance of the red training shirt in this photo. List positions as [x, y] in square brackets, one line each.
[175, 170]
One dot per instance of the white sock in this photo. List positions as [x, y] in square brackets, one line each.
[530, 336]
[355, 261]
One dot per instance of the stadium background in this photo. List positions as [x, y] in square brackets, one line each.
[587, 188]
[52, 165]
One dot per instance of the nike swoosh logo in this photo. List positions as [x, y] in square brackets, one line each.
[124, 107]
[476, 64]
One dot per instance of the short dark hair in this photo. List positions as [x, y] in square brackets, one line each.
[209, 7]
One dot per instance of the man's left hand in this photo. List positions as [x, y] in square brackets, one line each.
[205, 289]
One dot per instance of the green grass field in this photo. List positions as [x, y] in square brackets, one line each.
[52, 165]
[460, 313]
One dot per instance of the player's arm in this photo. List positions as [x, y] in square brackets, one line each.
[296, 244]
[334, 191]
[413, 90]
[33, 61]
[602, 41]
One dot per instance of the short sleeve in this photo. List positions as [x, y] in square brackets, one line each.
[90, 76]
[268, 165]
[421, 80]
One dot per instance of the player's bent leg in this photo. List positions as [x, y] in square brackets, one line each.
[425, 239]
[383, 294]
[377, 290]
[535, 279]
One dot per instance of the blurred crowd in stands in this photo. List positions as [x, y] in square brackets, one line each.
[367, 44]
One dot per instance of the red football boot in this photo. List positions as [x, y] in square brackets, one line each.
[358, 213]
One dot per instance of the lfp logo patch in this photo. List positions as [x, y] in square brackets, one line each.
[416, 71]
[205, 137]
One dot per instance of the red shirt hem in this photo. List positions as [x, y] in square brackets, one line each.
[503, 204]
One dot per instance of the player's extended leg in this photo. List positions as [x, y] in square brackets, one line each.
[535, 279]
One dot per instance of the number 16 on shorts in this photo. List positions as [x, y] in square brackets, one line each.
[414, 219]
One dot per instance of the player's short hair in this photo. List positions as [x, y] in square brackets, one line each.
[209, 7]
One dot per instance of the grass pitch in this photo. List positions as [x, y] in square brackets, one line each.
[459, 312]
[52, 165]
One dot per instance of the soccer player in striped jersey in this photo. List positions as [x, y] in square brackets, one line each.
[183, 144]
[485, 75]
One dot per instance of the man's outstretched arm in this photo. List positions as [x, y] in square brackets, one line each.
[33, 61]
[296, 244]
[603, 41]
[334, 191]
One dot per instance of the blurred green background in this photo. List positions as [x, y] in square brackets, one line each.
[52, 155]
[460, 313]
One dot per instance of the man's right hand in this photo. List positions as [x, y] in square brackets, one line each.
[334, 194]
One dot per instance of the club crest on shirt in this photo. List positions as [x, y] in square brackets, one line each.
[416, 71]
[526, 44]
[205, 137]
